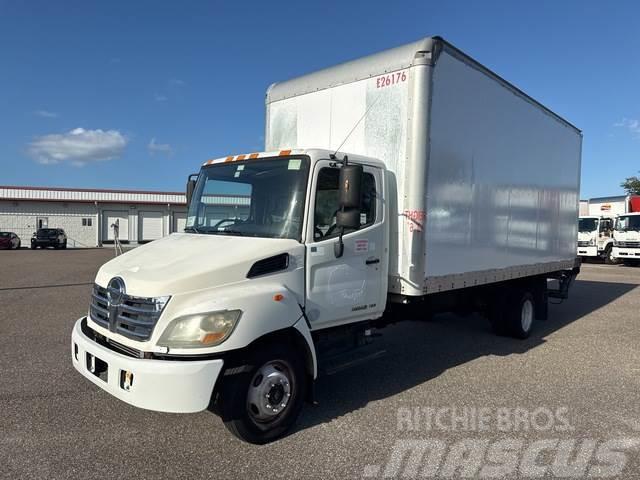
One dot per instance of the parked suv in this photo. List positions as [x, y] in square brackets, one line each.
[49, 237]
[9, 240]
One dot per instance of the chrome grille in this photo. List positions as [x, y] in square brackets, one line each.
[583, 243]
[629, 244]
[134, 318]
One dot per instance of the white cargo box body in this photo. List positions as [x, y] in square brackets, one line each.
[487, 179]
[608, 206]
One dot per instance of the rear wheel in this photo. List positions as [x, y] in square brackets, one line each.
[514, 317]
[64, 245]
[263, 402]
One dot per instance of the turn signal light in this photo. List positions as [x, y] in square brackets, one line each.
[212, 337]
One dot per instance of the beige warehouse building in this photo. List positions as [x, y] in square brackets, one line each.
[88, 215]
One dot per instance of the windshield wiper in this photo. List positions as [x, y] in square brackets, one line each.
[192, 230]
[227, 232]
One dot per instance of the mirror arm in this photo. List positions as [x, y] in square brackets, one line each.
[338, 247]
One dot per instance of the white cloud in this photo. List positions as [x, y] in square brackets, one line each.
[176, 82]
[160, 98]
[78, 146]
[163, 148]
[46, 114]
[633, 125]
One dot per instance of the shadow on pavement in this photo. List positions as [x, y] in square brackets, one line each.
[421, 351]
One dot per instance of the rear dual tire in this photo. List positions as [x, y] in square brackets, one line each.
[515, 315]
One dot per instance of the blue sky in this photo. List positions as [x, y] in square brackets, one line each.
[125, 94]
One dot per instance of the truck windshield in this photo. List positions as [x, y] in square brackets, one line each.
[628, 222]
[587, 224]
[252, 198]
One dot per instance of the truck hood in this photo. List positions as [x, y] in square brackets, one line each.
[628, 236]
[585, 236]
[184, 262]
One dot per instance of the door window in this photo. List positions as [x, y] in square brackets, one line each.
[326, 205]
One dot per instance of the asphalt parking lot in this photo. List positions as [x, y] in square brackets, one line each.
[583, 362]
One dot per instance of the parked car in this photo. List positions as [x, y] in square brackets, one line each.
[9, 240]
[49, 237]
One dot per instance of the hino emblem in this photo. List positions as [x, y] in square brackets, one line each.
[115, 295]
[115, 291]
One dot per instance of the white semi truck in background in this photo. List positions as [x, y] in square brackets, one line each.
[626, 233]
[412, 176]
[595, 227]
[596, 233]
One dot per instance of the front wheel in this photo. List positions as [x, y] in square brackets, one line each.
[263, 402]
[609, 259]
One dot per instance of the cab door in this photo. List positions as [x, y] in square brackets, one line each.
[354, 286]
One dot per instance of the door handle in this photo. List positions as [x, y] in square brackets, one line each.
[371, 261]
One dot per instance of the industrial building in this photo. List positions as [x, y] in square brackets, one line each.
[88, 216]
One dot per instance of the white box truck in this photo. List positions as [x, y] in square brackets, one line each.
[457, 191]
[596, 234]
[595, 227]
[626, 234]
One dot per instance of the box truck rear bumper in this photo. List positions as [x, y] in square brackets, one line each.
[161, 385]
[619, 252]
[587, 251]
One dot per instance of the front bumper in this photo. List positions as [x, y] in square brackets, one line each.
[45, 243]
[587, 251]
[160, 385]
[629, 253]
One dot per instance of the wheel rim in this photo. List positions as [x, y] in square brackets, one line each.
[526, 316]
[270, 391]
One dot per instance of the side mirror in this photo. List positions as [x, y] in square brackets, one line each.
[349, 201]
[191, 186]
[350, 187]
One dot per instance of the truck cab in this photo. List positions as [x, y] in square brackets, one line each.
[229, 306]
[626, 238]
[595, 237]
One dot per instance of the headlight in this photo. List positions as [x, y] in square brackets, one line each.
[200, 330]
[592, 242]
[615, 242]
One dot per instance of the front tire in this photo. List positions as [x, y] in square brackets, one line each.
[609, 259]
[263, 402]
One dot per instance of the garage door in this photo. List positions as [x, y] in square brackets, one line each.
[111, 218]
[150, 226]
[179, 221]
